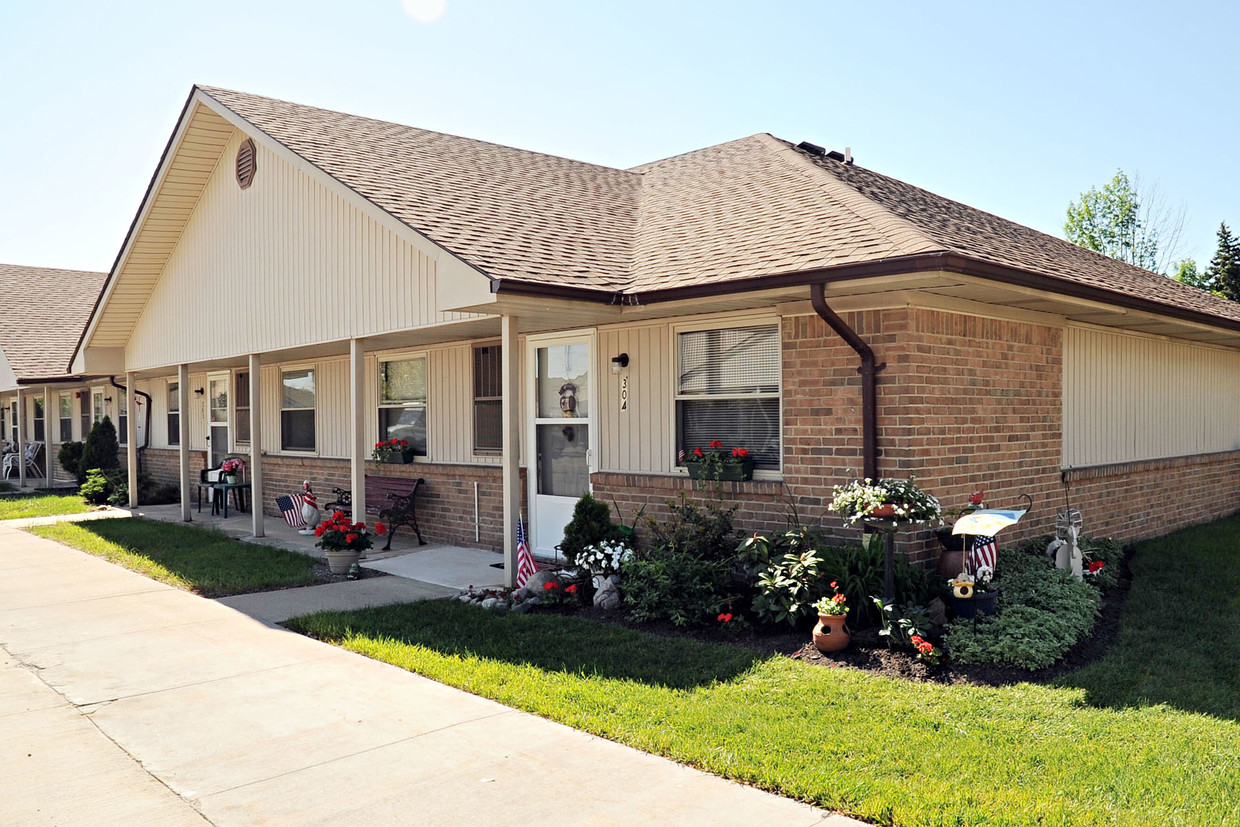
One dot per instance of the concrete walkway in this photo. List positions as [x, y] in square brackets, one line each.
[126, 701]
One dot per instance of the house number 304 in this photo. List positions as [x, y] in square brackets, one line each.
[624, 393]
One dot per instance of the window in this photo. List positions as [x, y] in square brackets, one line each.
[96, 402]
[122, 416]
[241, 407]
[66, 418]
[13, 423]
[402, 402]
[297, 410]
[174, 413]
[488, 400]
[4, 422]
[727, 389]
[84, 412]
[38, 419]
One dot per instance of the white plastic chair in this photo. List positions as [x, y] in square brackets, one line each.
[31, 455]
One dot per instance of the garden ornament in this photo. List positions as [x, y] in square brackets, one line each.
[607, 597]
[309, 508]
[1064, 547]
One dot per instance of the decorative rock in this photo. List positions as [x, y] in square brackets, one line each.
[490, 602]
[523, 607]
[937, 611]
[465, 598]
[534, 586]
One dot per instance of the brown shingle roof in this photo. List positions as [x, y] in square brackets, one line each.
[744, 209]
[47, 310]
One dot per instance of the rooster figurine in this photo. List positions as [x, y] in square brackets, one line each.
[309, 508]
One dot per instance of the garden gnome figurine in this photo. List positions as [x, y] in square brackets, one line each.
[1067, 552]
[309, 508]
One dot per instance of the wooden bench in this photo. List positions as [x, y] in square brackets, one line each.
[402, 511]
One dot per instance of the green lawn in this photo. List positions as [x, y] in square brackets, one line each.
[196, 559]
[20, 506]
[1147, 736]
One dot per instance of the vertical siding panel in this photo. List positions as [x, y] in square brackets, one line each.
[272, 393]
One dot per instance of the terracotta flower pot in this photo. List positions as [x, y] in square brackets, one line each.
[831, 635]
[883, 512]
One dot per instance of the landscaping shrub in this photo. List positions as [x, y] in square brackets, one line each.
[101, 448]
[1108, 552]
[859, 571]
[690, 571]
[591, 524]
[70, 458]
[1044, 612]
[100, 486]
[786, 572]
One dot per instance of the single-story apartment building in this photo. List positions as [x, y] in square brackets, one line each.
[41, 405]
[299, 284]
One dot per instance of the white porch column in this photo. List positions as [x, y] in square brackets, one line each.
[131, 437]
[256, 446]
[49, 468]
[21, 438]
[357, 409]
[183, 438]
[510, 381]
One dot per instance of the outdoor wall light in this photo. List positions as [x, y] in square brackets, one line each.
[108, 399]
[199, 391]
[619, 363]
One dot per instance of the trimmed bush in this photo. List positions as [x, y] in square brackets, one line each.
[591, 524]
[70, 459]
[101, 450]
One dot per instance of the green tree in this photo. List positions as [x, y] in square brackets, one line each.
[1187, 272]
[1224, 269]
[102, 450]
[1119, 222]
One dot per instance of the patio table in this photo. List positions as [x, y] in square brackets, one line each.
[239, 489]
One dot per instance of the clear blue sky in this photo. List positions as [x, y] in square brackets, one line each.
[1013, 108]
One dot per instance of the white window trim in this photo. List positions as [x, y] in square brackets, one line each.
[168, 443]
[473, 402]
[60, 398]
[673, 372]
[318, 441]
[232, 409]
[377, 399]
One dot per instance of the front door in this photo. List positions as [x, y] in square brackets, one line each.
[561, 416]
[217, 418]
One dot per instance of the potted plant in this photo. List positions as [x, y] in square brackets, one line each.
[830, 634]
[887, 499]
[230, 468]
[392, 451]
[951, 559]
[719, 463]
[343, 541]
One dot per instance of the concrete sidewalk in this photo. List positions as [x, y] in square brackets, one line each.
[162, 707]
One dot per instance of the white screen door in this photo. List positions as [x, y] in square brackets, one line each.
[217, 417]
[561, 421]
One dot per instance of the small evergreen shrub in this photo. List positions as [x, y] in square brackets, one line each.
[101, 449]
[70, 459]
[100, 485]
[591, 525]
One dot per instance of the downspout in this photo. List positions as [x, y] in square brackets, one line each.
[869, 375]
[146, 433]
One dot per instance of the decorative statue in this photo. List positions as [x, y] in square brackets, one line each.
[1064, 547]
[309, 508]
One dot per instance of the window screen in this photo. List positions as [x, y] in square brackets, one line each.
[728, 390]
[402, 402]
[297, 410]
[488, 400]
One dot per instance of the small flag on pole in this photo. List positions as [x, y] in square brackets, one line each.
[290, 507]
[984, 552]
[525, 560]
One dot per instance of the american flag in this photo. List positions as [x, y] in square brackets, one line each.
[525, 560]
[984, 552]
[290, 507]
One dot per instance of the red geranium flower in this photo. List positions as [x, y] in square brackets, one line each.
[1096, 566]
[404, 443]
[697, 452]
[350, 538]
[380, 528]
[318, 531]
[716, 444]
[571, 588]
[550, 585]
[726, 617]
[976, 497]
[740, 453]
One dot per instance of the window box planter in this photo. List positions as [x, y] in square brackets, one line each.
[728, 472]
[398, 458]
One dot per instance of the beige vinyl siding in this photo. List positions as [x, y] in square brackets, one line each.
[1130, 397]
[197, 412]
[284, 263]
[639, 439]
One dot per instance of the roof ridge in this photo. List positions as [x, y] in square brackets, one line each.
[209, 90]
[641, 169]
[856, 202]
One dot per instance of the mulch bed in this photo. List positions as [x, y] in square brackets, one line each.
[868, 651]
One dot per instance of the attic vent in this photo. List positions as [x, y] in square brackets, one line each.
[246, 163]
[812, 149]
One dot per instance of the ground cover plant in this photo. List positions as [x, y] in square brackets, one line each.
[196, 559]
[1120, 742]
[21, 506]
